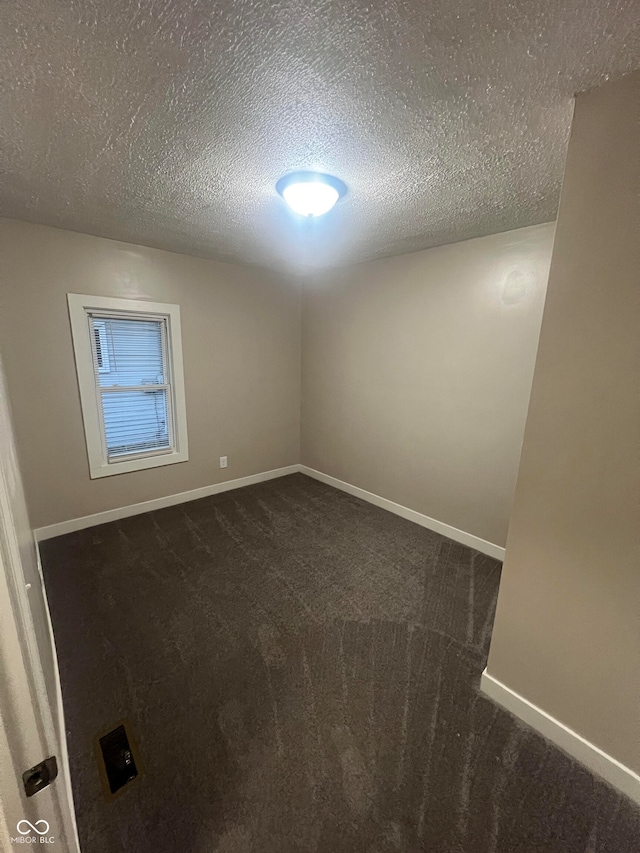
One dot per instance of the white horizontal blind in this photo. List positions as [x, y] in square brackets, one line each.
[131, 371]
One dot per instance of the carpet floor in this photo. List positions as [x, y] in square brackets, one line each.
[301, 671]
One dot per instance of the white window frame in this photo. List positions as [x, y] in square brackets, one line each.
[80, 306]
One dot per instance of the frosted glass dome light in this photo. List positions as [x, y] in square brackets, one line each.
[310, 193]
[310, 198]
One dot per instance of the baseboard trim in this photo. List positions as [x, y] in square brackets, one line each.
[410, 514]
[63, 527]
[609, 768]
[42, 533]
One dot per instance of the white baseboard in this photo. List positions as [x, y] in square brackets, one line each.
[423, 520]
[42, 533]
[610, 769]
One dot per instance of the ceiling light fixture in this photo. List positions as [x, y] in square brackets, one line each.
[310, 193]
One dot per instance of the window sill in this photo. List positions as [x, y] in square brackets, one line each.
[140, 463]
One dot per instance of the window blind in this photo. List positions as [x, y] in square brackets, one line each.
[130, 367]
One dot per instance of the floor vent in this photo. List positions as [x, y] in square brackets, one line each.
[118, 759]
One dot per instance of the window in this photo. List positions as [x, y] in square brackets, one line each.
[129, 366]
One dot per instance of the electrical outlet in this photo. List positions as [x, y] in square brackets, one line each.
[223, 461]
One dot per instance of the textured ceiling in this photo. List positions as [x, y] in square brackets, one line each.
[168, 122]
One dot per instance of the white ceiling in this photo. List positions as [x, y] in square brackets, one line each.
[168, 122]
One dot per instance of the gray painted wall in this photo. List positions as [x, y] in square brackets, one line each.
[417, 371]
[567, 628]
[241, 347]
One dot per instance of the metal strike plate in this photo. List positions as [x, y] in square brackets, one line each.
[40, 776]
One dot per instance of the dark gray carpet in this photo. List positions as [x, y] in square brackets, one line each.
[301, 670]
